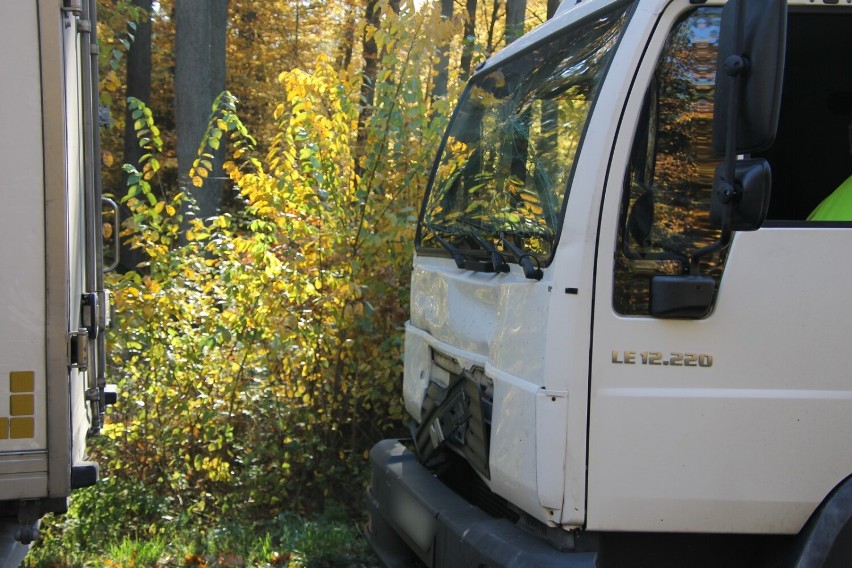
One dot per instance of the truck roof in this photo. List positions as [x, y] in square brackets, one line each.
[571, 11]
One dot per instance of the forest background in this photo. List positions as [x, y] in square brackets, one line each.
[270, 158]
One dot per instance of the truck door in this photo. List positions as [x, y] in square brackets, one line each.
[738, 421]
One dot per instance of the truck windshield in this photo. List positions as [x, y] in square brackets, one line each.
[503, 173]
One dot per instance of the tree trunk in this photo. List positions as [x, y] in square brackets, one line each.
[469, 39]
[199, 78]
[370, 53]
[516, 11]
[442, 69]
[347, 42]
[552, 6]
[138, 79]
[492, 22]
[138, 86]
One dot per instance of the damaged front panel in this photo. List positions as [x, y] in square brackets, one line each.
[456, 415]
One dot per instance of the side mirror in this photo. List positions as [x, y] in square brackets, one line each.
[681, 296]
[751, 52]
[748, 203]
[749, 76]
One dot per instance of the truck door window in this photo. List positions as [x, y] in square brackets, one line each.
[503, 171]
[812, 154]
[666, 197]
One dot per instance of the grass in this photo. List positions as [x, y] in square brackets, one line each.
[288, 541]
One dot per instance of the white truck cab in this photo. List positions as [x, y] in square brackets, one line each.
[626, 341]
[55, 310]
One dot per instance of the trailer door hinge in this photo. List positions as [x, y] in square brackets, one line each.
[78, 349]
[73, 6]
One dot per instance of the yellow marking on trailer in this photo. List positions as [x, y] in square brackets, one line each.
[22, 405]
[21, 424]
[21, 381]
[21, 428]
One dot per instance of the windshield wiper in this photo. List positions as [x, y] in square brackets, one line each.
[497, 263]
[525, 259]
[457, 255]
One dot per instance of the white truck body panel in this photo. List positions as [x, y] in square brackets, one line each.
[532, 340]
[736, 422]
[779, 392]
[776, 391]
[477, 326]
[48, 222]
[22, 337]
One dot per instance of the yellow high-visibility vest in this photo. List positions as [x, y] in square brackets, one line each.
[837, 206]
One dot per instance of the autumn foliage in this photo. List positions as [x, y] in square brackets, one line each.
[259, 350]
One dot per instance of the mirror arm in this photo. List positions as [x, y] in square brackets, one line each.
[722, 243]
[735, 66]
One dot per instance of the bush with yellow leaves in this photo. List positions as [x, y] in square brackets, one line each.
[259, 351]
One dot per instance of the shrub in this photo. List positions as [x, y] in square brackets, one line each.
[258, 352]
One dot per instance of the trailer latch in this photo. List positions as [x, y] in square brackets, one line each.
[90, 313]
[78, 349]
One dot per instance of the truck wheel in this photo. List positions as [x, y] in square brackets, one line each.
[826, 540]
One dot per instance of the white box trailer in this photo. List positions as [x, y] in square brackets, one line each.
[621, 350]
[54, 309]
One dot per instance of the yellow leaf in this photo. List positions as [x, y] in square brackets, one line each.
[197, 181]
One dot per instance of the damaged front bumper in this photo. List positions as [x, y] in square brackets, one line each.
[414, 516]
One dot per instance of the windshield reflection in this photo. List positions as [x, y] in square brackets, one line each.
[504, 169]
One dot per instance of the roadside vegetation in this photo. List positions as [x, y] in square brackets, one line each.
[257, 349]
[107, 537]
